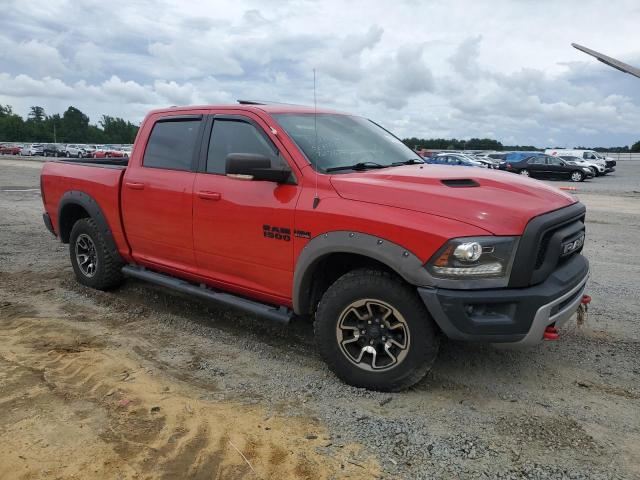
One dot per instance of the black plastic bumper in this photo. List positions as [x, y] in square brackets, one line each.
[508, 315]
[47, 223]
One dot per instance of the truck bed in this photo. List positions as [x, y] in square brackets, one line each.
[99, 179]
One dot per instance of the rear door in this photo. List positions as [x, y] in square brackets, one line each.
[157, 194]
[537, 167]
[243, 229]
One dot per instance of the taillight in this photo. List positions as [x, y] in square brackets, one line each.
[508, 165]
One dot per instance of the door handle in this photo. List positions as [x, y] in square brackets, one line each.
[135, 185]
[209, 195]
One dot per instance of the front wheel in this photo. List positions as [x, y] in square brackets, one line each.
[577, 176]
[91, 260]
[524, 172]
[373, 331]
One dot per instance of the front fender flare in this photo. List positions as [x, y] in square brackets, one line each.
[399, 259]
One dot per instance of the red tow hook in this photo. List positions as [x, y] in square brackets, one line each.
[586, 299]
[551, 333]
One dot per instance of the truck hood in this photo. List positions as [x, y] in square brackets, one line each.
[498, 202]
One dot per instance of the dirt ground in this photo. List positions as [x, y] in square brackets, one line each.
[143, 383]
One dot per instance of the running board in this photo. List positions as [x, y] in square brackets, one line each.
[278, 314]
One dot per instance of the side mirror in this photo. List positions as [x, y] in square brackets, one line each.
[251, 166]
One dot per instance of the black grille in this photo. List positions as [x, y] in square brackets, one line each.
[540, 248]
[549, 254]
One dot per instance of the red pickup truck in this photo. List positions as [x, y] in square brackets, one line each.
[283, 211]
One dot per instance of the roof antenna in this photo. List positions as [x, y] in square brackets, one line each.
[316, 198]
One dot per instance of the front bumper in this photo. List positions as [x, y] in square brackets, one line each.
[516, 316]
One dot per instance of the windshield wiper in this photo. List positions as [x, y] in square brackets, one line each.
[357, 166]
[411, 161]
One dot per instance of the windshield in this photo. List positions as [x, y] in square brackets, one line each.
[344, 140]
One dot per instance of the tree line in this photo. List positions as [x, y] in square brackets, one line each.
[491, 144]
[71, 127]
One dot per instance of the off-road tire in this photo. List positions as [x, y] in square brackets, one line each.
[108, 272]
[375, 284]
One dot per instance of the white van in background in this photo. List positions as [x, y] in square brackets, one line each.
[589, 155]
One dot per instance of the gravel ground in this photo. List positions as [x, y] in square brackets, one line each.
[564, 410]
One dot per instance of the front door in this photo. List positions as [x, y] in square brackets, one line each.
[557, 168]
[157, 196]
[243, 229]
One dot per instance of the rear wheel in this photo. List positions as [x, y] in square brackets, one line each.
[373, 331]
[524, 172]
[90, 257]
[577, 176]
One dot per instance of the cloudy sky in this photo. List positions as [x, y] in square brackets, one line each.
[500, 69]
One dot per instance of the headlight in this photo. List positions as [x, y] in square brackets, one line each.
[474, 258]
[587, 169]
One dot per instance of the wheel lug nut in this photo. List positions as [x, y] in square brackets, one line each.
[363, 332]
[369, 322]
[384, 339]
[370, 342]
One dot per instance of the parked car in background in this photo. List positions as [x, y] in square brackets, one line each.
[108, 151]
[53, 150]
[456, 159]
[598, 169]
[89, 150]
[591, 155]
[10, 149]
[126, 151]
[546, 166]
[486, 160]
[31, 149]
[74, 150]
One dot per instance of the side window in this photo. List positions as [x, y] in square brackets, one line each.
[236, 136]
[554, 161]
[171, 145]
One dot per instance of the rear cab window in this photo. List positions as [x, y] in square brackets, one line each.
[172, 144]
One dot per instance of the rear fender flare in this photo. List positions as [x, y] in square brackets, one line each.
[397, 258]
[89, 204]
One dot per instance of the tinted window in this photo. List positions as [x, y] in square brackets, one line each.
[171, 145]
[554, 161]
[536, 161]
[230, 136]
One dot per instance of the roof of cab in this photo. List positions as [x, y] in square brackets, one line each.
[268, 108]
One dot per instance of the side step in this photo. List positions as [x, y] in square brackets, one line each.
[278, 314]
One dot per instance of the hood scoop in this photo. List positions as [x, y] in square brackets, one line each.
[459, 182]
